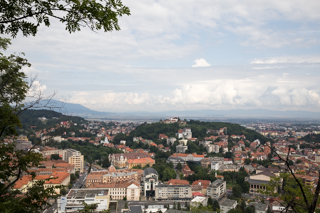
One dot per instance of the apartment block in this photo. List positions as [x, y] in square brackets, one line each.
[217, 189]
[173, 192]
[78, 161]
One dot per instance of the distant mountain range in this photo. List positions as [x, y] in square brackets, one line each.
[71, 109]
[79, 110]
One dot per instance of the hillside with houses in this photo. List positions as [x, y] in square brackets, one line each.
[173, 164]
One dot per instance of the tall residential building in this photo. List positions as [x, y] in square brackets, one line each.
[149, 181]
[217, 189]
[78, 161]
[63, 153]
[67, 153]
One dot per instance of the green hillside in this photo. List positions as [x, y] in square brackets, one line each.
[30, 118]
[198, 128]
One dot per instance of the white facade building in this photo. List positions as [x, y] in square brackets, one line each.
[73, 201]
[217, 189]
[227, 205]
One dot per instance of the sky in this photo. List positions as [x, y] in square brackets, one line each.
[185, 55]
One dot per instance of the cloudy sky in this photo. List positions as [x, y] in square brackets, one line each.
[185, 55]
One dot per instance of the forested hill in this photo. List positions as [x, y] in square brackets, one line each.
[30, 118]
[198, 128]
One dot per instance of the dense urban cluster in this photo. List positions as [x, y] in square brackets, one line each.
[214, 171]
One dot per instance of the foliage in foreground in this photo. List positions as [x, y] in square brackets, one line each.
[14, 163]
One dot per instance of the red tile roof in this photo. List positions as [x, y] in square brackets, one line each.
[178, 182]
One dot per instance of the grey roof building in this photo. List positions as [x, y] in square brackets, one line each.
[217, 189]
[227, 205]
[261, 208]
[149, 181]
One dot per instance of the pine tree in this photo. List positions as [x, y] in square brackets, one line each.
[179, 206]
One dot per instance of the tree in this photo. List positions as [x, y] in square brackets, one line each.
[250, 209]
[77, 174]
[227, 178]
[242, 205]
[228, 155]
[247, 161]
[245, 186]
[124, 198]
[200, 209]
[72, 177]
[55, 157]
[236, 191]
[210, 201]
[69, 185]
[294, 194]
[63, 191]
[235, 211]
[179, 166]
[179, 206]
[88, 208]
[13, 90]
[15, 162]
[220, 150]
[106, 162]
[26, 16]
[215, 206]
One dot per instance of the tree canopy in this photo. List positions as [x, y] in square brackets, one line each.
[13, 89]
[14, 162]
[27, 15]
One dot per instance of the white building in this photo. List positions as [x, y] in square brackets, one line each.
[181, 148]
[78, 161]
[227, 205]
[150, 180]
[173, 192]
[106, 141]
[195, 202]
[184, 133]
[212, 148]
[73, 202]
[217, 189]
[215, 166]
[171, 140]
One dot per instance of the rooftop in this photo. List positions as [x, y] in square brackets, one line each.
[228, 202]
[164, 185]
[83, 193]
[217, 183]
[149, 171]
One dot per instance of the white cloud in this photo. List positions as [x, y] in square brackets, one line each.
[201, 63]
[288, 60]
[124, 70]
[36, 88]
[271, 91]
